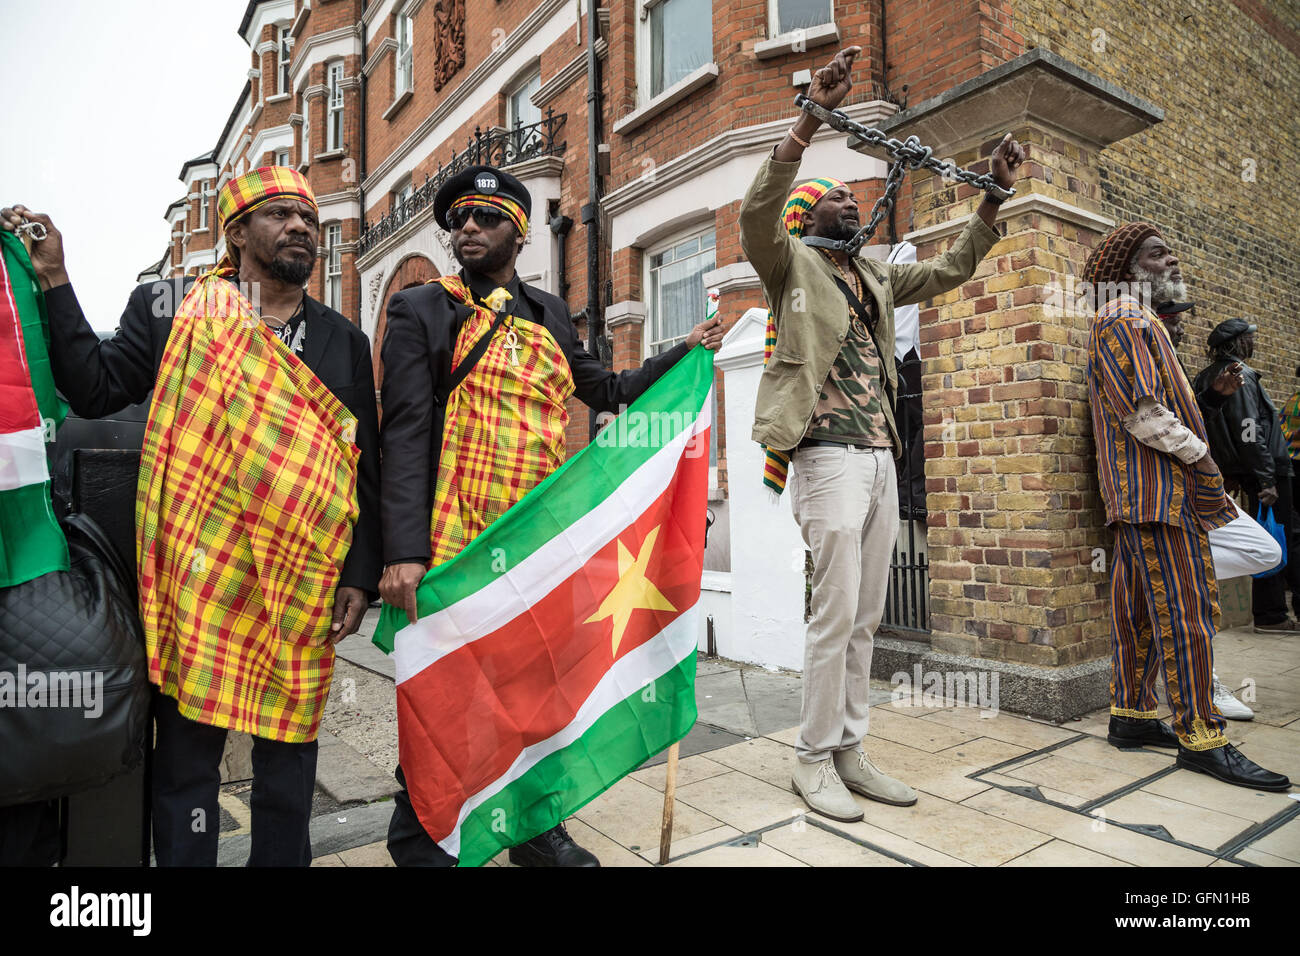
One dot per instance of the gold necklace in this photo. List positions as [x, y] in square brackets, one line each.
[859, 326]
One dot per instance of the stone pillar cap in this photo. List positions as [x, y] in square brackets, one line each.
[1038, 87]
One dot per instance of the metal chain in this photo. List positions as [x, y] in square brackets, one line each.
[907, 154]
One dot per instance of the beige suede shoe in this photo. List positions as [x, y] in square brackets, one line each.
[823, 791]
[861, 776]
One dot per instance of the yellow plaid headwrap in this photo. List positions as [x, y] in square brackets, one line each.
[258, 187]
[507, 207]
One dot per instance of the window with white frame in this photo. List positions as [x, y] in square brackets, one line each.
[790, 15]
[402, 192]
[205, 196]
[282, 60]
[677, 294]
[405, 58]
[677, 40]
[282, 157]
[520, 110]
[334, 118]
[679, 302]
[334, 266]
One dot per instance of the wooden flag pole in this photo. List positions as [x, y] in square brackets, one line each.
[670, 791]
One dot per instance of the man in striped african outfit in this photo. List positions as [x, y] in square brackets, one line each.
[1163, 493]
[477, 370]
[826, 399]
[257, 506]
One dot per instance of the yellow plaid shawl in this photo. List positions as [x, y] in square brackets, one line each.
[244, 514]
[504, 431]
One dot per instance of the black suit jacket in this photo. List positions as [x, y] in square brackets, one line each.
[421, 334]
[99, 378]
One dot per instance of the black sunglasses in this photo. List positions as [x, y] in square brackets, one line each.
[486, 218]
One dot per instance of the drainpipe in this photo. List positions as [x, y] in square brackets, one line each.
[361, 172]
[591, 211]
[884, 88]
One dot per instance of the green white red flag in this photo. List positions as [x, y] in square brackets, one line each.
[556, 653]
[31, 542]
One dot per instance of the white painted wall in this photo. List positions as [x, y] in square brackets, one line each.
[767, 554]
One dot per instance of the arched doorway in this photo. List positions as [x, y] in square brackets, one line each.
[414, 270]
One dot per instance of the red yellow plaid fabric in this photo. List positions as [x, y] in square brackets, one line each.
[505, 425]
[259, 186]
[502, 204]
[244, 514]
[776, 463]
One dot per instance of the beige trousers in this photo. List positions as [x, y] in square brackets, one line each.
[846, 503]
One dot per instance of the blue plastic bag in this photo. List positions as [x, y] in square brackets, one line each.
[1267, 521]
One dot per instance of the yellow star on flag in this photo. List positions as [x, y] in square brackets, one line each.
[633, 592]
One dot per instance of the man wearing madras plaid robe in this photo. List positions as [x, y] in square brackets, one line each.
[257, 505]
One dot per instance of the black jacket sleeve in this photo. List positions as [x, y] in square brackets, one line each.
[407, 435]
[362, 567]
[99, 378]
[1249, 431]
[607, 391]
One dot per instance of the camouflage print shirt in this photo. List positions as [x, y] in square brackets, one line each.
[850, 408]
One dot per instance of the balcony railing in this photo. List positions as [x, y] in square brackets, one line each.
[496, 147]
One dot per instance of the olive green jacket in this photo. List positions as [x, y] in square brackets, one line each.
[812, 315]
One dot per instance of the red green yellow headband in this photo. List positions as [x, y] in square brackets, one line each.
[507, 207]
[803, 198]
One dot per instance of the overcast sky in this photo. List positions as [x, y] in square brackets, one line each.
[103, 102]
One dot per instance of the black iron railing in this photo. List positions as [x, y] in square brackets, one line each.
[496, 147]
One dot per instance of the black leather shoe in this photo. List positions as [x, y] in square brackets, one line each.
[1129, 733]
[1230, 765]
[553, 848]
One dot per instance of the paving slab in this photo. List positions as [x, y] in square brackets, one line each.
[742, 801]
[954, 830]
[774, 699]
[1283, 842]
[1086, 830]
[817, 847]
[689, 770]
[1060, 853]
[681, 846]
[759, 854]
[1002, 726]
[1203, 791]
[630, 813]
[330, 833]
[1183, 821]
[1086, 780]
[761, 757]
[701, 740]
[349, 777]
[721, 701]
[911, 731]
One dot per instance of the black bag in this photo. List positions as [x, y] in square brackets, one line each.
[78, 632]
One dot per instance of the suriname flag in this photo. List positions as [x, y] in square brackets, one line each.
[31, 541]
[556, 653]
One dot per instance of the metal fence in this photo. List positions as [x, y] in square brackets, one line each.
[907, 602]
[495, 147]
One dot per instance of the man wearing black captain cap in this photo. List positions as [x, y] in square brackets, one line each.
[477, 369]
[1246, 440]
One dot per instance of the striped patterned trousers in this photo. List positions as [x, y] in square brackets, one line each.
[1164, 611]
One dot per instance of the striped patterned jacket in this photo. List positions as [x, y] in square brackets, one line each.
[1130, 357]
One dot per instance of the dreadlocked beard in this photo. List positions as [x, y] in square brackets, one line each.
[1163, 289]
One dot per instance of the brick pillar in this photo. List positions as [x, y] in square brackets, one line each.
[1014, 511]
